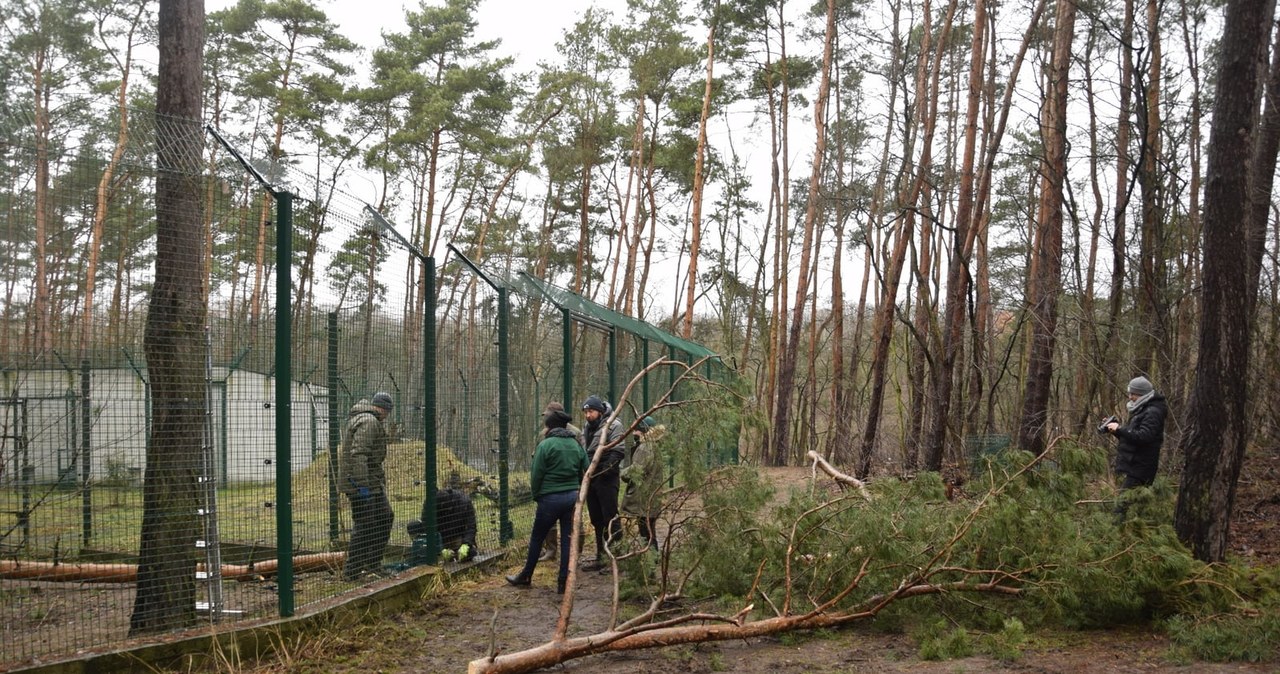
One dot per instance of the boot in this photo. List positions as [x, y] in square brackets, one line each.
[519, 580]
[560, 583]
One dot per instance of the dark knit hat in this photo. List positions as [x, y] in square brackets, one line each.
[1140, 386]
[595, 403]
[556, 419]
[382, 399]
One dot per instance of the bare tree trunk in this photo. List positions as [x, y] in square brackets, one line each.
[1218, 426]
[1046, 279]
[962, 250]
[165, 596]
[1152, 338]
[695, 222]
[786, 372]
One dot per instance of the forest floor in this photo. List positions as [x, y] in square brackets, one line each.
[480, 612]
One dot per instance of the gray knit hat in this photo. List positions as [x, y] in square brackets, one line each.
[1140, 386]
[382, 399]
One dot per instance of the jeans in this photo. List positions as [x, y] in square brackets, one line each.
[552, 509]
[371, 520]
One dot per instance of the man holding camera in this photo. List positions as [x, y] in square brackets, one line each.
[1138, 442]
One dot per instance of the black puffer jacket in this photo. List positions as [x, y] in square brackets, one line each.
[1139, 440]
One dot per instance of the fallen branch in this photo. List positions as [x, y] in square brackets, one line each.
[838, 476]
[128, 573]
[676, 631]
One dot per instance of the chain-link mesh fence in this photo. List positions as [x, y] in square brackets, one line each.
[241, 469]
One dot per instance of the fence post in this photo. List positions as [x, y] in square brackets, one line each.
[613, 364]
[430, 449]
[86, 452]
[284, 393]
[506, 530]
[335, 431]
[566, 354]
[644, 362]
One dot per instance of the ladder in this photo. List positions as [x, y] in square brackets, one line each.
[210, 543]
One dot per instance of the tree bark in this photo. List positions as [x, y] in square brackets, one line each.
[1217, 423]
[1046, 280]
[174, 334]
[699, 179]
[787, 370]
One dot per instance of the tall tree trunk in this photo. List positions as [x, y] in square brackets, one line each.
[166, 595]
[1217, 424]
[695, 221]
[42, 340]
[1152, 338]
[1046, 281]
[961, 251]
[102, 194]
[787, 370]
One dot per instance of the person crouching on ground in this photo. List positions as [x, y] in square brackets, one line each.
[558, 466]
[643, 498]
[455, 521]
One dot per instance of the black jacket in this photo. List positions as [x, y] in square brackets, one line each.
[455, 520]
[1139, 440]
[596, 436]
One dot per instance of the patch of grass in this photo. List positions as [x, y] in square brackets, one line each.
[1005, 645]
[937, 642]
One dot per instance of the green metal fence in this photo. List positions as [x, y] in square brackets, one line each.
[315, 302]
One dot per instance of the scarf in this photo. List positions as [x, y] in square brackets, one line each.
[1135, 404]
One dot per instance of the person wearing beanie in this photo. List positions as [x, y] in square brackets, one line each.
[1138, 441]
[602, 490]
[362, 479]
[559, 464]
[644, 478]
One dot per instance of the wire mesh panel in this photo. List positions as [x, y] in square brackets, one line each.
[471, 444]
[315, 412]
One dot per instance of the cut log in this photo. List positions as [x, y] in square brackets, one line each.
[128, 573]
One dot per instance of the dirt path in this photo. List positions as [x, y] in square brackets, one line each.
[449, 631]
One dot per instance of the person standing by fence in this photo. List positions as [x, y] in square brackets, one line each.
[554, 478]
[364, 482]
[552, 542]
[602, 490]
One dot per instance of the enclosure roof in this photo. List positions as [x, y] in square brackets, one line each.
[529, 286]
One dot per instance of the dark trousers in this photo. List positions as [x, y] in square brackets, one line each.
[602, 506]
[371, 520]
[648, 530]
[552, 509]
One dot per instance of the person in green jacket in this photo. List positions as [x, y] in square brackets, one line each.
[558, 466]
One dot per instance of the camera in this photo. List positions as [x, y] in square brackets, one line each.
[1102, 427]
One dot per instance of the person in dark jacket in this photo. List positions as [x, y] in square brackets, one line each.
[558, 467]
[1139, 440]
[602, 490]
[362, 480]
[455, 521]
